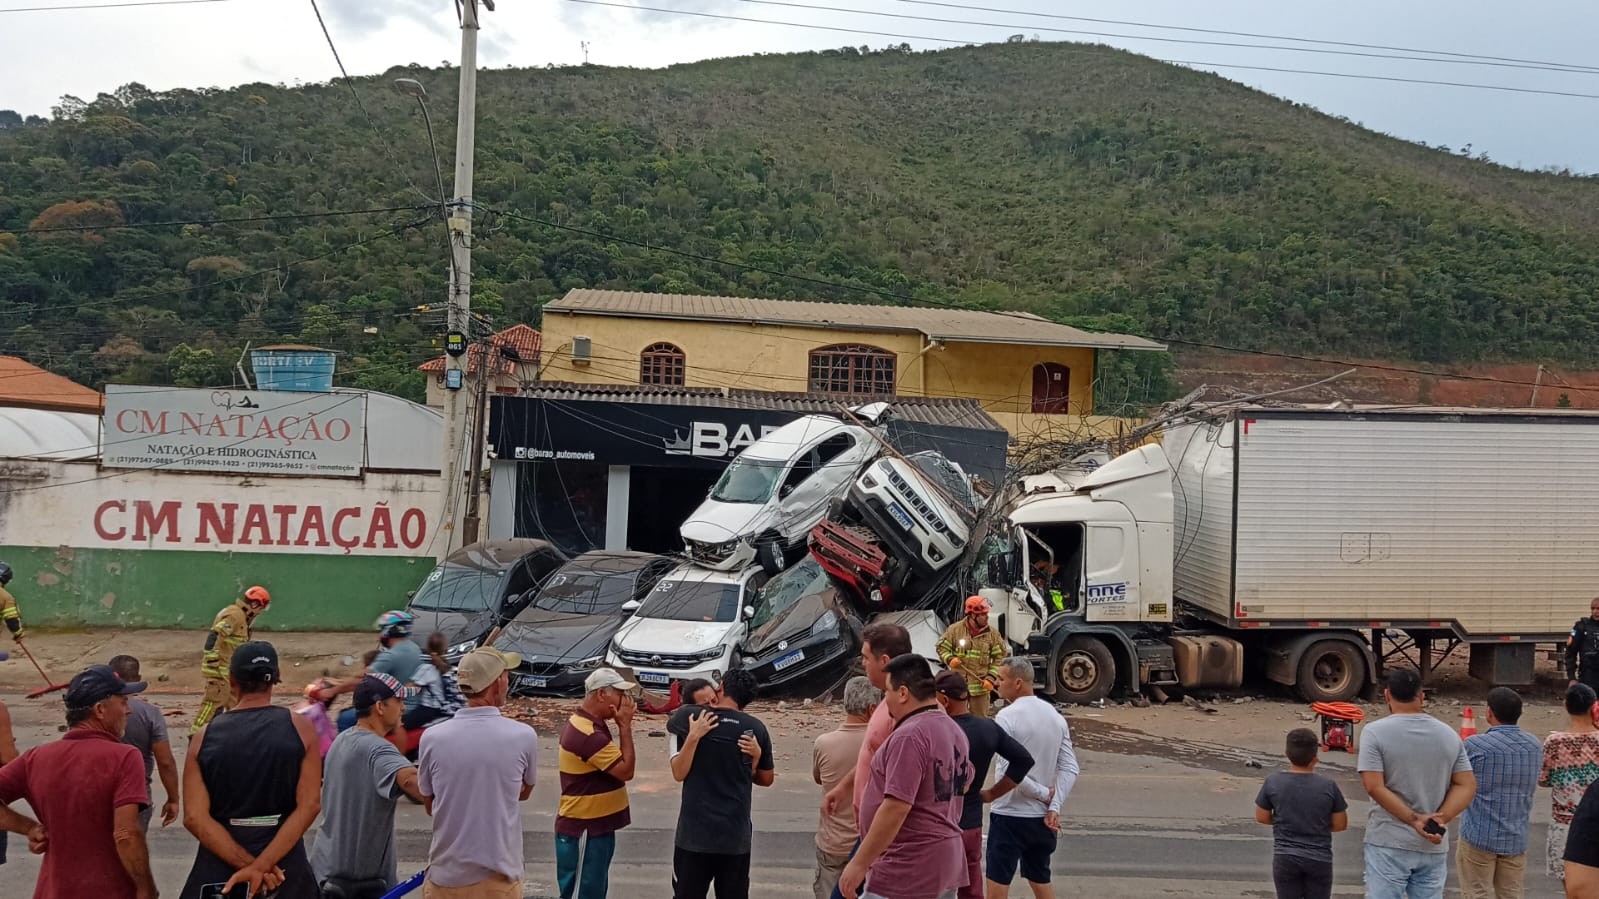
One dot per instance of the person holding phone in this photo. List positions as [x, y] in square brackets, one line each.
[252, 787]
[1416, 771]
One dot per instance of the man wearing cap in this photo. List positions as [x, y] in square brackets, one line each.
[974, 648]
[465, 769]
[594, 775]
[229, 631]
[984, 740]
[363, 778]
[87, 789]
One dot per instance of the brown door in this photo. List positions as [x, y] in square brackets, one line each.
[1050, 382]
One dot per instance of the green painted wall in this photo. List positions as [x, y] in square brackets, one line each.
[72, 587]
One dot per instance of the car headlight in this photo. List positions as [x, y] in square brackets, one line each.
[707, 655]
[826, 624]
[461, 649]
[587, 664]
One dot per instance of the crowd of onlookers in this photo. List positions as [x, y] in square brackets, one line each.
[1422, 777]
[901, 805]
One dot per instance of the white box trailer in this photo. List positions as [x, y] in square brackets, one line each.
[1481, 523]
[1320, 541]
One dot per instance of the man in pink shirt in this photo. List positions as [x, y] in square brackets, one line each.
[879, 644]
[911, 846]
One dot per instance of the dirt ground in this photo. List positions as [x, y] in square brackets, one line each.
[1251, 720]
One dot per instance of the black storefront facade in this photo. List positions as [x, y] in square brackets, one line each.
[590, 466]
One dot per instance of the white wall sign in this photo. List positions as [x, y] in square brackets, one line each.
[236, 431]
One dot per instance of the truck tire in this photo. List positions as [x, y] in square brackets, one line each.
[772, 554]
[1085, 670]
[1330, 671]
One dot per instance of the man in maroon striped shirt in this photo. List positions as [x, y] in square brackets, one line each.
[594, 775]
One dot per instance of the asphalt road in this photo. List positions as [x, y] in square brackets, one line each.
[1151, 816]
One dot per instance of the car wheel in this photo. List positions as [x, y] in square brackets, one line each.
[771, 553]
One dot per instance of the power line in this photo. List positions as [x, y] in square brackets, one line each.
[106, 5]
[1178, 40]
[906, 299]
[1251, 34]
[1183, 62]
[234, 280]
[350, 83]
[277, 217]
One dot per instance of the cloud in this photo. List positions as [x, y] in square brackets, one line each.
[356, 19]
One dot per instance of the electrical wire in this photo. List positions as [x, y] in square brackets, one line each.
[390, 232]
[1177, 40]
[383, 142]
[908, 300]
[277, 217]
[77, 6]
[1183, 62]
[1250, 34]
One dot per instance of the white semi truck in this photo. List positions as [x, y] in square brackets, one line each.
[1300, 542]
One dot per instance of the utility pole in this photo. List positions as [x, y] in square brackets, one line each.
[488, 361]
[458, 314]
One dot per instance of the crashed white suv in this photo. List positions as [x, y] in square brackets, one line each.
[775, 491]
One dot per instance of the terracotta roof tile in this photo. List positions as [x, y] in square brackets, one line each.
[25, 384]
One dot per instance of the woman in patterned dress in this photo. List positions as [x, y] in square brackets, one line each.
[1570, 764]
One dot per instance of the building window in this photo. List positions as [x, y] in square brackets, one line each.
[661, 364]
[852, 369]
[1051, 383]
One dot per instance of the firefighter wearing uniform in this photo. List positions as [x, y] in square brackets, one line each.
[973, 648]
[229, 631]
[1582, 649]
[9, 613]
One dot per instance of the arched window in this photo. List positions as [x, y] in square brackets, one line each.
[852, 369]
[662, 364]
[1051, 386]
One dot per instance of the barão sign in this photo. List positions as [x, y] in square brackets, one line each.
[236, 431]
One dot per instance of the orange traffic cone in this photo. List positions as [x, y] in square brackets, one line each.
[1468, 723]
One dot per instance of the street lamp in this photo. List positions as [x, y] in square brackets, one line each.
[413, 88]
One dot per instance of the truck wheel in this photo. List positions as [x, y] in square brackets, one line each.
[1330, 671]
[771, 554]
[1085, 670]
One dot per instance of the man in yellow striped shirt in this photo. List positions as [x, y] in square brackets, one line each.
[594, 775]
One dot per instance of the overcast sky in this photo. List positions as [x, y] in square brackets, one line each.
[44, 55]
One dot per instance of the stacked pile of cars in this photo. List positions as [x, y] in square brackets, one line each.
[809, 532]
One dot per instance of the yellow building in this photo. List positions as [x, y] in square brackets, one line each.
[1034, 376]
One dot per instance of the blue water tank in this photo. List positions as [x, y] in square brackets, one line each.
[307, 369]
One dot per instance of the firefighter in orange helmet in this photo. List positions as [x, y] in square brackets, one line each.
[229, 631]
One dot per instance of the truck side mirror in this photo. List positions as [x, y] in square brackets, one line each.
[749, 611]
[410, 595]
[629, 607]
[997, 571]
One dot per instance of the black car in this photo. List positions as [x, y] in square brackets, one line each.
[480, 587]
[804, 630]
[563, 632]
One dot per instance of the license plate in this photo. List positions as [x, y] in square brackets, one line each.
[788, 660]
[539, 682]
[900, 515]
[650, 677]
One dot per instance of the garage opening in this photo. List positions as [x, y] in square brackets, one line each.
[659, 499]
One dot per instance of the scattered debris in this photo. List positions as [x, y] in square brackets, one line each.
[163, 678]
[1196, 705]
[1098, 704]
[1140, 701]
[1252, 763]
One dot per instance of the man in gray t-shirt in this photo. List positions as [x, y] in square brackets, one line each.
[147, 732]
[1414, 768]
[363, 778]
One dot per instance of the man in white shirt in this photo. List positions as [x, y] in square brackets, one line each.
[1024, 823]
[473, 771]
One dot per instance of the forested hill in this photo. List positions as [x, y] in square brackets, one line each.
[1064, 179]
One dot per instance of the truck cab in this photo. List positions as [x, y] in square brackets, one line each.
[1088, 566]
